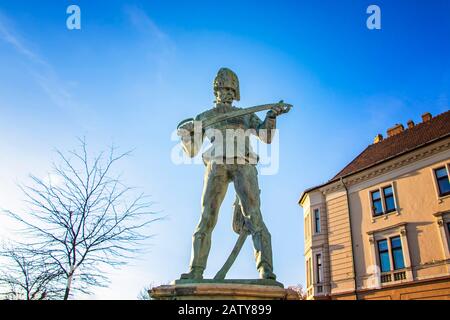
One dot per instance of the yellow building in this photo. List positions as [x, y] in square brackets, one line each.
[380, 229]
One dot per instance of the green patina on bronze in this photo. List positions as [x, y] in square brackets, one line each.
[247, 218]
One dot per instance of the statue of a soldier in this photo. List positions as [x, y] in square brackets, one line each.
[224, 166]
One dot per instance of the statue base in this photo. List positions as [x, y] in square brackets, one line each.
[228, 289]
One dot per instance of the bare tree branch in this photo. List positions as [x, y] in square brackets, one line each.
[86, 219]
[27, 275]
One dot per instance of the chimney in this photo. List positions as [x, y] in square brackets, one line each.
[426, 117]
[378, 138]
[410, 124]
[398, 128]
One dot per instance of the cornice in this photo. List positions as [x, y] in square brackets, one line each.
[401, 226]
[387, 167]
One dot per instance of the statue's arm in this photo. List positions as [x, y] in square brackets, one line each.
[265, 130]
[191, 145]
[191, 138]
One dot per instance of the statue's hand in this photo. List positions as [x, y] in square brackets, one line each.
[276, 110]
[186, 129]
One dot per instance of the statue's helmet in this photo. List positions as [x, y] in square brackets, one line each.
[226, 78]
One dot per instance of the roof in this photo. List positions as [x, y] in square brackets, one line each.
[400, 143]
[410, 139]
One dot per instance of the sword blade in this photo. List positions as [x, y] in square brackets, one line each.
[237, 113]
[242, 112]
[220, 275]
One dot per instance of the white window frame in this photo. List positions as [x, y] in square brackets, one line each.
[436, 184]
[380, 189]
[387, 234]
[319, 276]
[309, 272]
[305, 223]
[442, 219]
[377, 248]
[313, 267]
[314, 221]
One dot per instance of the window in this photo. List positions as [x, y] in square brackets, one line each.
[316, 221]
[389, 202]
[442, 181]
[383, 253]
[308, 273]
[448, 232]
[397, 253]
[443, 222]
[389, 252]
[306, 228]
[383, 201]
[376, 203]
[319, 267]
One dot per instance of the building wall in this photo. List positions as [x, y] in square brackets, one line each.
[417, 220]
[316, 243]
[436, 289]
[339, 244]
[417, 201]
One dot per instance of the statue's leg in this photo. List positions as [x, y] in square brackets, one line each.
[214, 190]
[246, 184]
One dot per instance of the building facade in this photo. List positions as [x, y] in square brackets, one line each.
[380, 229]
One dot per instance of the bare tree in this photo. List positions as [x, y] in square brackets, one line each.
[83, 217]
[143, 294]
[27, 276]
[298, 289]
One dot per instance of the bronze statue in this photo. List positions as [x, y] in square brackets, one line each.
[230, 159]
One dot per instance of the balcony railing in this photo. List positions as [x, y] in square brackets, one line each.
[399, 275]
[387, 277]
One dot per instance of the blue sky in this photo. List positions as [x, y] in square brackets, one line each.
[136, 68]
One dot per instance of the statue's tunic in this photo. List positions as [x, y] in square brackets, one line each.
[238, 130]
[230, 162]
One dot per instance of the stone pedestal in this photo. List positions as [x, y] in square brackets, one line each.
[223, 290]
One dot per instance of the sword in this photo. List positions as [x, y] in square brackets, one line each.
[221, 274]
[241, 228]
[237, 113]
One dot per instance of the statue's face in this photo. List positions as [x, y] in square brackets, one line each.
[225, 95]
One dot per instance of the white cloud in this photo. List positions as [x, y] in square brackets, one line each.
[160, 48]
[9, 36]
[145, 24]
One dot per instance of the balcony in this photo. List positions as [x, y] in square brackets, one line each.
[386, 278]
[398, 276]
[393, 276]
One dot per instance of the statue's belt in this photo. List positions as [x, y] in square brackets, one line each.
[237, 113]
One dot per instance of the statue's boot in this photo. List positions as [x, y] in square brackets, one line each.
[201, 245]
[194, 273]
[263, 254]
